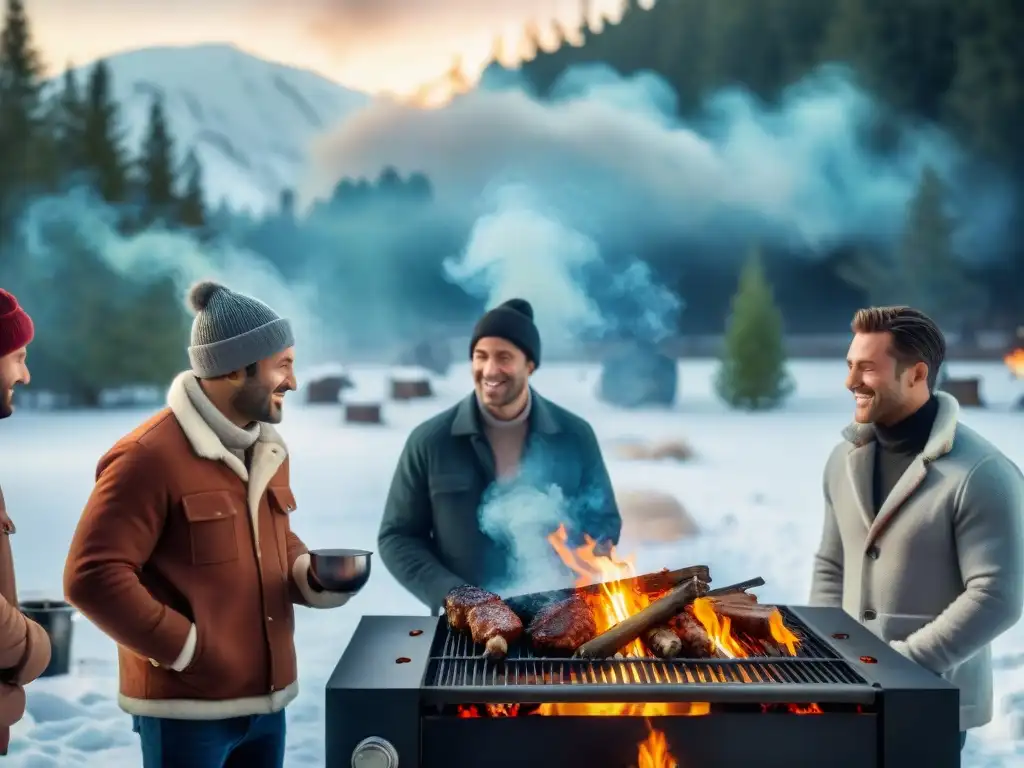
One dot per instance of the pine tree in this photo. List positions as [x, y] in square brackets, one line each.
[103, 151]
[192, 207]
[753, 372]
[933, 278]
[20, 86]
[64, 124]
[156, 166]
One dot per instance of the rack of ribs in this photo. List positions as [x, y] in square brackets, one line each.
[563, 627]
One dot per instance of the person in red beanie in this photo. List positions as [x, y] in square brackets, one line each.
[16, 331]
[24, 645]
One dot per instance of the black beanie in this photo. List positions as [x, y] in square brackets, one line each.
[512, 321]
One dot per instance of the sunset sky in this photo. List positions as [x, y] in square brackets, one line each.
[374, 45]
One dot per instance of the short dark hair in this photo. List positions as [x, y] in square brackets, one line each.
[915, 336]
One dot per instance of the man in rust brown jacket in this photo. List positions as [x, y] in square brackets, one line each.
[185, 555]
[24, 645]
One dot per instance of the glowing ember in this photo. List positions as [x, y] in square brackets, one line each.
[1015, 362]
[636, 709]
[654, 751]
[614, 602]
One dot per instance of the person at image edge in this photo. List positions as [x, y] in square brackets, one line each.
[923, 539]
[24, 645]
[500, 437]
[185, 555]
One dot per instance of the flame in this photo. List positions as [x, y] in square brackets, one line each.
[614, 602]
[588, 709]
[1015, 362]
[719, 629]
[635, 709]
[654, 751]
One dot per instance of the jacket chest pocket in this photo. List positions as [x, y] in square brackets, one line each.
[454, 493]
[212, 519]
[282, 504]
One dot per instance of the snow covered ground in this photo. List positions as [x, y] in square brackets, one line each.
[754, 488]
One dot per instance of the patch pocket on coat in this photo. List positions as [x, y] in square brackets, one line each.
[444, 484]
[212, 519]
[282, 499]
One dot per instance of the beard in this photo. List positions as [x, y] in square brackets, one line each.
[255, 402]
[6, 403]
[876, 408]
[510, 389]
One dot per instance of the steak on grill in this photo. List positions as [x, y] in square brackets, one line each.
[461, 600]
[495, 626]
[563, 627]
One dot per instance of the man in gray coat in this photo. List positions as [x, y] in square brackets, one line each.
[923, 540]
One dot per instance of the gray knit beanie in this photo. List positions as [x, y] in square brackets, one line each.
[232, 330]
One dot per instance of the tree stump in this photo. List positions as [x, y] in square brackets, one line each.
[653, 517]
[410, 384]
[326, 386]
[637, 375]
[966, 391]
[363, 413]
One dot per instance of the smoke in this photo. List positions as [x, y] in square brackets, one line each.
[519, 251]
[50, 223]
[519, 518]
[606, 156]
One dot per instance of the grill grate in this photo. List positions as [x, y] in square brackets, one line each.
[457, 662]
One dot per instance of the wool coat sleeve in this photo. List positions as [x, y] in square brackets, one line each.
[827, 578]
[116, 535]
[405, 536]
[599, 513]
[989, 528]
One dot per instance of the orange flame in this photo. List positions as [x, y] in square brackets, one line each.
[654, 751]
[719, 629]
[615, 602]
[1015, 362]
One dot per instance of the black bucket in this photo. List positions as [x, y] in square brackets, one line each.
[55, 616]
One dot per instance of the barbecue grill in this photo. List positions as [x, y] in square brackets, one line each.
[407, 688]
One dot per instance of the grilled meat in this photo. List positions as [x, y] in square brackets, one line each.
[495, 626]
[695, 639]
[461, 600]
[563, 627]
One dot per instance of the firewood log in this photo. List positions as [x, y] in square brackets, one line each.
[663, 642]
[529, 605]
[657, 613]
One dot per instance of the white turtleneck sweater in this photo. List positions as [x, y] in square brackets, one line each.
[507, 438]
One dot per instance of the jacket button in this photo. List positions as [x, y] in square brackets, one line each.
[270, 618]
[870, 615]
[873, 553]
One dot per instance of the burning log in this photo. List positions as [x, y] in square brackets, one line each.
[663, 642]
[694, 639]
[749, 618]
[528, 606]
[657, 613]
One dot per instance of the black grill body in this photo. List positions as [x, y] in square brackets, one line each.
[407, 679]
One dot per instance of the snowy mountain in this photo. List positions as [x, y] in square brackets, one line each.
[250, 121]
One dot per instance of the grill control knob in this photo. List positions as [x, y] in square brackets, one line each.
[374, 752]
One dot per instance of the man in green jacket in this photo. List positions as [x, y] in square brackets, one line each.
[479, 487]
